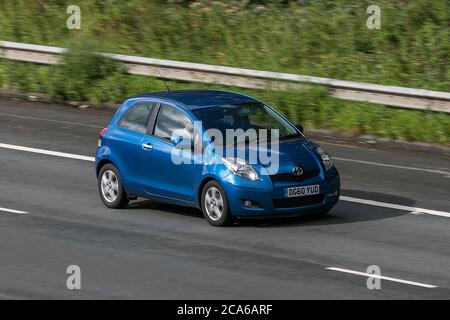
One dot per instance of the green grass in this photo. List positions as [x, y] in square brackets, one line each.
[319, 38]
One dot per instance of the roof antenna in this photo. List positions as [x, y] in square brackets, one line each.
[160, 76]
[167, 87]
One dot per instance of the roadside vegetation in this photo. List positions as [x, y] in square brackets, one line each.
[318, 38]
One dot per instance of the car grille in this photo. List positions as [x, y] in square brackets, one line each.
[298, 201]
[289, 177]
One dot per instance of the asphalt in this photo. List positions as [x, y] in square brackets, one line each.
[158, 251]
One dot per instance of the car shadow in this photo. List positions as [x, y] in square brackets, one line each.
[343, 212]
[167, 207]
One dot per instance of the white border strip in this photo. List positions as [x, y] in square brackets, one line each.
[413, 283]
[13, 211]
[47, 152]
[396, 206]
[442, 172]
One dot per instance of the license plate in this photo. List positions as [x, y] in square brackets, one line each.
[302, 191]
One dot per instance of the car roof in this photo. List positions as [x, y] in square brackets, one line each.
[195, 99]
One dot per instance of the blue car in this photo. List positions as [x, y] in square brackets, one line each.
[228, 154]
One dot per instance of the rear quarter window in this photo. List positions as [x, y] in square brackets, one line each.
[136, 119]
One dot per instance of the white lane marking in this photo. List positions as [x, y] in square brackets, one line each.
[13, 211]
[441, 172]
[50, 120]
[344, 198]
[47, 152]
[396, 206]
[382, 277]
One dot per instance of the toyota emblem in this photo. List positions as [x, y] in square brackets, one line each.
[297, 171]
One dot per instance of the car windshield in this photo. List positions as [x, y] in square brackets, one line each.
[245, 116]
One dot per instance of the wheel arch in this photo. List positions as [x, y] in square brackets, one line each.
[201, 186]
[101, 164]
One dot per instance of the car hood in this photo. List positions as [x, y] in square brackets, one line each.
[280, 158]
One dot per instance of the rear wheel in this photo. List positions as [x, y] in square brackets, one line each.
[110, 187]
[215, 205]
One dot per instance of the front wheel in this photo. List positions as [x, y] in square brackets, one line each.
[215, 205]
[110, 187]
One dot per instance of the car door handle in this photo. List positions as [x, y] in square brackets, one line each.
[147, 146]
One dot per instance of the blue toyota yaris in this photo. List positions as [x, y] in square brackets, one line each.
[228, 154]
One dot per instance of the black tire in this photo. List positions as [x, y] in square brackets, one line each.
[226, 218]
[121, 199]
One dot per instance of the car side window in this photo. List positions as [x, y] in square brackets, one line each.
[172, 121]
[137, 118]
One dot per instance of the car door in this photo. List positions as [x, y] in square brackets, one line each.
[169, 172]
[127, 145]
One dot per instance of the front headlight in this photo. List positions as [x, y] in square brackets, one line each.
[240, 168]
[326, 158]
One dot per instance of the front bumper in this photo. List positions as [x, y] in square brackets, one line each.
[270, 200]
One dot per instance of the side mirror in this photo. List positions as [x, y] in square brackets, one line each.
[299, 127]
[182, 143]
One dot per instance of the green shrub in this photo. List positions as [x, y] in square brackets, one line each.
[86, 75]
